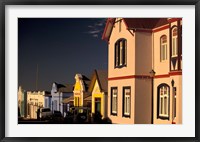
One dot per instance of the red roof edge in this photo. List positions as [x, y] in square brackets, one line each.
[106, 27]
[125, 23]
[174, 19]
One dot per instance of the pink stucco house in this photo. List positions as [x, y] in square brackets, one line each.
[144, 70]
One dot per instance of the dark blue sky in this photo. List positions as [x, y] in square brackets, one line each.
[61, 47]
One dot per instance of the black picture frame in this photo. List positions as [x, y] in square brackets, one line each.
[3, 3]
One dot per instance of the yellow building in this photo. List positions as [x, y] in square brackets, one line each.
[81, 91]
[98, 88]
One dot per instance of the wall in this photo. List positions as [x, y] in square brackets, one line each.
[162, 70]
[178, 84]
[160, 67]
[130, 69]
[120, 84]
[34, 101]
[143, 101]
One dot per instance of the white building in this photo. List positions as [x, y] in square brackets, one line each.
[58, 93]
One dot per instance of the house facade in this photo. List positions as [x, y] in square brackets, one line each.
[99, 89]
[22, 102]
[48, 99]
[81, 91]
[144, 70]
[167, 64]
[59, 92]
[35, 100]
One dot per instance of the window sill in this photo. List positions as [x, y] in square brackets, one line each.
[113, 114]
[163, 117]
[175, 56]
[163, 61]
[121, 66]
[126, 116]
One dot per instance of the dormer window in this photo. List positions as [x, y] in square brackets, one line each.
[120, 53]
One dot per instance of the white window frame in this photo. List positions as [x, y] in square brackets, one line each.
[164, 105]
[175, 43]
[114, 101]
[163, 48]
[127, 101]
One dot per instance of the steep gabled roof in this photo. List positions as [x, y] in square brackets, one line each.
[86, 82]
[59, 85]
[134, 23]
[144, 23]
[102, 78]
[68, 88]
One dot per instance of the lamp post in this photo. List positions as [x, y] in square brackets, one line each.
[172, 83]
[152, 74]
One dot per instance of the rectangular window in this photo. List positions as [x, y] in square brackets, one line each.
[77, 101]
[78, 104]
[126, 101]
[163, 48]
[114, 101]
[174, 47]
[164, 101]
[120, 53]
[163, 52]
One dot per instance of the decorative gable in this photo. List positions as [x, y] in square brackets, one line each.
[54, 88]
[79, 85]
[96, 88]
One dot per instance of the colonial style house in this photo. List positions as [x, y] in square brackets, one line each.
[144, 70]
[99, 88]
[81, 95]
[35, 100]
[58, 93]
[22, 102]
[48, 98]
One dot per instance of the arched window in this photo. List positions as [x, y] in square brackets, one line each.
[163, 48]
[163, 101]
[120, 53]
[174, 42]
